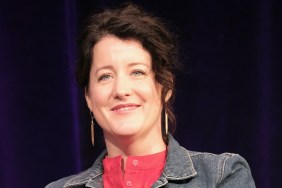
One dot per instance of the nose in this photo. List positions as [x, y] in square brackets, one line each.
[122, 87]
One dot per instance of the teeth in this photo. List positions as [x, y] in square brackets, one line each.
[125, 108]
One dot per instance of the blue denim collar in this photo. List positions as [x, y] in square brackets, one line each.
[92, 173]
[178, 166]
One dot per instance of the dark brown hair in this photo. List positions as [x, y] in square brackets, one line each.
[131, 22]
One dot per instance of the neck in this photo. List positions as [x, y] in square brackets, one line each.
[134, 145]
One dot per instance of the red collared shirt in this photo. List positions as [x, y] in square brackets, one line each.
[140, 171]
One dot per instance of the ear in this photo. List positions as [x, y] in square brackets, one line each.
[87, 98]
[168, 95]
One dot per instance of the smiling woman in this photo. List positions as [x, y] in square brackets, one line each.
[124, 97]
[126, 70]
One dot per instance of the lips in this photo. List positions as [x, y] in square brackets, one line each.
[125, 107]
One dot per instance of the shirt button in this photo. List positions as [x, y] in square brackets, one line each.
[128, 183]
[135, 162]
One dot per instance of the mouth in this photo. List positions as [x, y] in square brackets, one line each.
[125, 107]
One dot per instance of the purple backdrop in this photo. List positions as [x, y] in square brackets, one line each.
[228, 93]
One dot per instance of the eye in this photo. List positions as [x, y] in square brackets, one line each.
[104, 77]
[138, 73]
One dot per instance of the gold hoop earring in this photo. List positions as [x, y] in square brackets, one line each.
[92, 128]
[166, 124]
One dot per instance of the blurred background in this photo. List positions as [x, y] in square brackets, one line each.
[228, 92]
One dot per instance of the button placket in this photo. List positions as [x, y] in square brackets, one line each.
[135, 162]
[128, 183]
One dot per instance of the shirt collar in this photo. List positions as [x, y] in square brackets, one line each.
[85, 177]
[178, 166]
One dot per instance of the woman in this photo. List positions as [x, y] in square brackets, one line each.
[126, 69]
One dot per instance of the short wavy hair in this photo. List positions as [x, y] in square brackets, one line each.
[130, 21]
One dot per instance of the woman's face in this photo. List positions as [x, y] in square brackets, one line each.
[123, 93]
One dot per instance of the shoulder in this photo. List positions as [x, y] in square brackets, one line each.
[77, 179]
[59, 183]
[84, 177]
[223, 169]
[81, 178]
[213, 160]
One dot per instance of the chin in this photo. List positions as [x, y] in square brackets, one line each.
[127, 133]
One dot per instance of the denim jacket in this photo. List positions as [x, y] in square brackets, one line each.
[186, 169]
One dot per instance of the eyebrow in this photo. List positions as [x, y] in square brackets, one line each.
[103, 67]
[130, 65]
[138, 63]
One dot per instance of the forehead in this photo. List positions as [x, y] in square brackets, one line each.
[114, 48]
[112, 39]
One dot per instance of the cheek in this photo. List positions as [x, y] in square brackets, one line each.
[149, 91]
[156, 90]
[99, 95]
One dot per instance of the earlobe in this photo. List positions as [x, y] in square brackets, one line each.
[168, 95]
[87, 98]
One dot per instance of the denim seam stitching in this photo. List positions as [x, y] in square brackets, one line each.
[69, 183]
[192, 167]
[223, 167]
